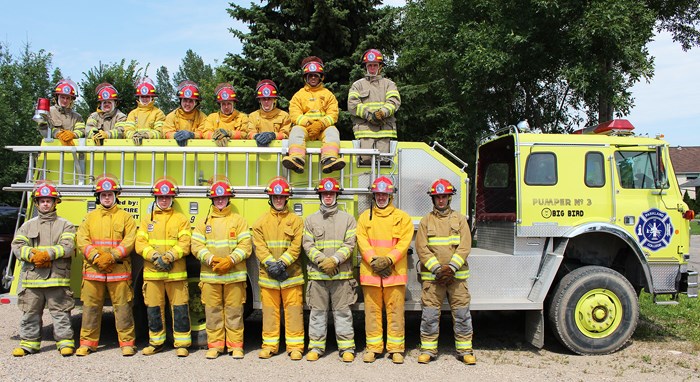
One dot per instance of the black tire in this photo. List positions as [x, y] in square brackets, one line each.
[594, 310]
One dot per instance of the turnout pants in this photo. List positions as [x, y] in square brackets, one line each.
[223, 306]
[292, 300]
[393, 298]
[60, 302]
[330, 137]
[93, 298]
[154, 294]
[322, 295]
[459, 298]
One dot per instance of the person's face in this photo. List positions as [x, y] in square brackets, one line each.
[45, 205]
[441, 201]
[226, 107]
[328, 198]
[107, 106]
[373, 68]
[220, 202]
[278, 202]
[145, 100]
[164, 202]
[381, 199]
[267, 104]
[64, 100]
[313, 79]
[187, 104]
[107, 199]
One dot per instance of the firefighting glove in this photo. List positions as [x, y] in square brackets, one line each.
[161, 265]
[66, 137]
[379, 115]
[41, 259]
[224, 265]
[104, 261]
[169, 257]
[314, 130]
[445, 275]
[182, 136]
[139, 136]
[273, 269]
[220, 133]
[213, 260]
[329, 266]
[381, 263]
[386, 272]
[99, 136]
[264, 139]
[222, 142]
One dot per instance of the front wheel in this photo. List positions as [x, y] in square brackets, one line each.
[594, 310]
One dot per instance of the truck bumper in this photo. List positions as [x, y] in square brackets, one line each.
[689, 284]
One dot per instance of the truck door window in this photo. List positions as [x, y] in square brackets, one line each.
[496, 175]
[541, 169]
[595, 170]
[636, 169]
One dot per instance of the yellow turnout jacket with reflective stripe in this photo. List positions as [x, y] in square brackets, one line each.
[277, 236]
[443, 238]
[167, 231]
[313, 103]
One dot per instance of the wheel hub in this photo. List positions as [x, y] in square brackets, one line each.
[598, 313]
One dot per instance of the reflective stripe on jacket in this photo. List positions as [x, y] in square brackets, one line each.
[178, 120]
[368, 95]
[236, 124]
[63, 118]
[275, 120]
[329, 232]
[112, 123]
[311, 104]
[169, 231]
[443, 238]
[277, 236]
[145, 118]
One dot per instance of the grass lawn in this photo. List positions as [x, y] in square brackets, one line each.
[669, 322]
[695, 227]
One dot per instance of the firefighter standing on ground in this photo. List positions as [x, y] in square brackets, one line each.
[227, 123]
[329, 240]
[106, 238]
[45, 245]
[269, 122]
[67, 123]
[163, 239]
[277, 237]
[187, 121]
[443, 242]
[107, 122]
[384, 234]
[222, 243]
[314, 112]
[372, 104]
[146, 121]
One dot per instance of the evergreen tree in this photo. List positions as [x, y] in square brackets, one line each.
[194, 69]
[167, 99]
[122, 76]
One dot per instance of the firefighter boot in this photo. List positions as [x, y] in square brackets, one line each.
[237, 354]
[83, 351]
[369, 357]
[294, 163]
[331, 164]
[265, 354]
[66, 351]
[424, 358]
[150, 349]
[469, 359]
[182, 352]
[312, 356]
[397, 358]
[295, 355]
[212, 353]
[19, 352]
[348, 356]
[128, 351]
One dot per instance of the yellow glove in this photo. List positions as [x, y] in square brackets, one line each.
[99, 136]
[41, 259]
[222, 142]
[314, 130]
[224, 265]
[329, 267]
[104, 261]
[66, 137]
[379, 114]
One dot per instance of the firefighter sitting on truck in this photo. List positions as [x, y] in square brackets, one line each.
[163, 239]
[106, 238]
[443, 242]
[107, 121]
[67, 124]
[269, 122]
[44, 245]
[222, 242]
[187, 121]
[372, 104]
[314, 112]
[277, 237]
[384, 234]
[146, 121]
[227, 123]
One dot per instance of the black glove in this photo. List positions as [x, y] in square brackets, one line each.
[264, 139]
[283, 276]
[161, 265]
[275, 269]
[182, 137]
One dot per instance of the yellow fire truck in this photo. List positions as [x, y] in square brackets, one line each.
[567, 227]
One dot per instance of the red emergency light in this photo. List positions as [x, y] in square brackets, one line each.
[614, 127]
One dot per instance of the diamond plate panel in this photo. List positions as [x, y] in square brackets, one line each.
[543, 230]
[664, 277]
[530, 246]
[496, 236]
[516, 275]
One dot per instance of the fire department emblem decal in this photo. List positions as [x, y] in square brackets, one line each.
[106, 186]
[164, 189]
[312, 67]
[188, 93]
[278, 189]
[328, 186]
[224, 95]
[371, 56]
[266, 92]
[381, 187]
[440, 189]
[144, 90]
[44, 191]
[66, 90]
[654, 229]
[219, 190]
[105, 95]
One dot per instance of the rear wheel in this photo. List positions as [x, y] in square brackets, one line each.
[594, 310]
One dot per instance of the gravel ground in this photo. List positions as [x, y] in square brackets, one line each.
[501, 353]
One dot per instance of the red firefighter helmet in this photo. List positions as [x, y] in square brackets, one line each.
[441, 187]
[106, 183]
[266, 89]
[164, 187]
[105, 92]
[220, 188]
[146, 87]
[373, 56]
[66, 87]
[46, 190]
[312, 64]
[382, 185]
[225, 92]
[328, 185]
[278, 186]
[189, 90]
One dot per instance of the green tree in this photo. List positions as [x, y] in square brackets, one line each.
[167, 100]
[22, 81]
[121, 75]
[194, 69]
[281, 33]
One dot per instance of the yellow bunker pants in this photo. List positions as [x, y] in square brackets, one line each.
[292, 300]
[393, 299]
[154, 294]
[223, 306]
[93, 298]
